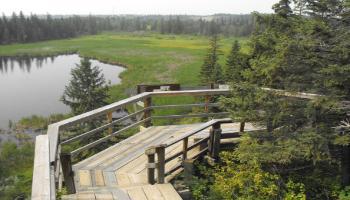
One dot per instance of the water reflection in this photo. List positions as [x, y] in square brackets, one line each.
[7, 64]
[33, 85]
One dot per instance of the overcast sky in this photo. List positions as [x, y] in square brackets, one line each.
[195, 7]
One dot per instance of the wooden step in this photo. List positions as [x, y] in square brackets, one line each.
[146, 192]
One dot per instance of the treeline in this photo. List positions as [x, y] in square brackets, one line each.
[19, 28]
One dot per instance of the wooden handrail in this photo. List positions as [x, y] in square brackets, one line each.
[199, 129]
[160, 165]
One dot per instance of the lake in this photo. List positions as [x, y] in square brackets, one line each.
[33, 86]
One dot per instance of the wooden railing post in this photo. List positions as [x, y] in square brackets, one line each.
[216, 137]
[188, 170]
[241, 127]
[210, 141]
[160, 164]
[184, 148]
[151, 165]
[147, 104]
[68, 172]
[207, 101]
[110, 119]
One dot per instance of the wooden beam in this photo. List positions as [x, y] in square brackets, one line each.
[41, 185]
[150, 153]
[191, 115]
[147, 114]
[184, 148]
[110, 119]
[200, 128]
[160, 150]
[216, 141]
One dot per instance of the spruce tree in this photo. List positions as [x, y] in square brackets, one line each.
[87, 89]
[283, 8]
[236, 63]
[211, 71]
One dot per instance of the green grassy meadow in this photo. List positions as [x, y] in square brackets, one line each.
[149, 58]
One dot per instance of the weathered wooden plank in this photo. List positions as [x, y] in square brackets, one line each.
[138, 149]
[99, 180]
[41, 186]
[152, 192]
[111, 152]
[52, 133]
[84, 178]
[123, 179]
[137, 179]
[168, 192]
[185, 105]
[197, 130]
[119, 194]
[137, 194]
[86, 196]
[101, 111]
[124, 157]
[109, 178]
[191, 115]
[104, 139]
[104, 157]
[104, 196]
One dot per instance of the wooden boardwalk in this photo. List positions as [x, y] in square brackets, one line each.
[120, 172]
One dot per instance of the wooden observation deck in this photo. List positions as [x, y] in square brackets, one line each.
[86, 156]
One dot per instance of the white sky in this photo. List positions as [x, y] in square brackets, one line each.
[195, 7]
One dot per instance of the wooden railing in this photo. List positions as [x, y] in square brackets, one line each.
[211, 145]
[52, 166]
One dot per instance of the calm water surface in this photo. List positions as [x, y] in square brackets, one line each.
[33, 86]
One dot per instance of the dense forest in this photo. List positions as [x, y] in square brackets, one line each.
[304, 152]
[19, 28]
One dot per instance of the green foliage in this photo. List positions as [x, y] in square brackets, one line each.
[299, 155]
[16, 171]
[245, 182]
[345, 194]
[243, 102]
[38, 122]
[236, 64]
[87, 89]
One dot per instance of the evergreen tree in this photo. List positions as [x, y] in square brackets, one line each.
[236, 63]
[87, 89]
[211, 71]
[283, 8]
